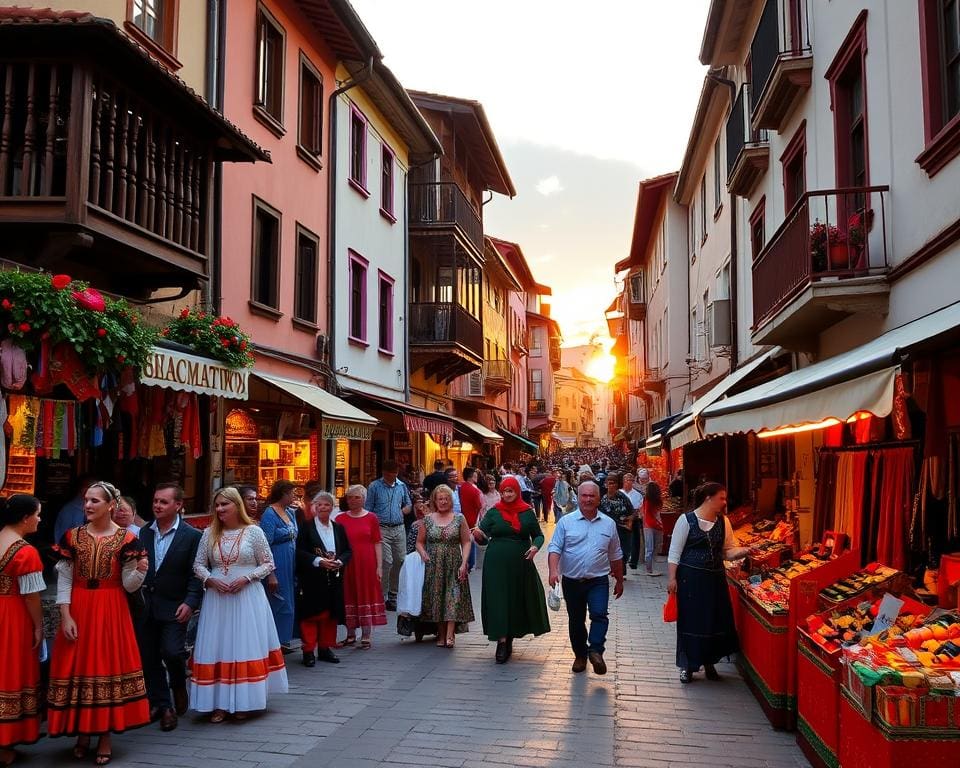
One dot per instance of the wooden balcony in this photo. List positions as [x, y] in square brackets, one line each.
[446, 341]
[536, 407]
[748, 152]
[443, 207]
[781, 62]
[496, 376]
[637, 309]
[827, 261]
[555, 356]
[106, 159]
[653, 381]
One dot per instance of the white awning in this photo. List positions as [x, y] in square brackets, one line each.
[480, 430]
[174, 369]
[858, 380]
[340, 419]
[687, 429]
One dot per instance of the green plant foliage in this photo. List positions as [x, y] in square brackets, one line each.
[217, 337]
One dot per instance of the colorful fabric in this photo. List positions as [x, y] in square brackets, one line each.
[445, 597]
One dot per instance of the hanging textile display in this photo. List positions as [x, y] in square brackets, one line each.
[895, 470]
[825, 492]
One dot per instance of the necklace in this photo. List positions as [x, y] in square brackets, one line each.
[232, 554]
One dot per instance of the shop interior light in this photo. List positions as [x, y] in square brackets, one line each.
[812, 426]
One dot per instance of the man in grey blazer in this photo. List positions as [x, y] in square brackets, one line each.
[171, 594]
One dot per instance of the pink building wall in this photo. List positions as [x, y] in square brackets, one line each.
[290, 185]
[542, 363]
[517, 324]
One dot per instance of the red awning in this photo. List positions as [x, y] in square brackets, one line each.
[424, 424]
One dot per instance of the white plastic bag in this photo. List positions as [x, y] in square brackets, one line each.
[410, 594]
[554, 596]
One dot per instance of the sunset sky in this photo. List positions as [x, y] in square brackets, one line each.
[584, 103]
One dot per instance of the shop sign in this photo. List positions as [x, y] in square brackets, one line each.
[191, 373]
[346, 430]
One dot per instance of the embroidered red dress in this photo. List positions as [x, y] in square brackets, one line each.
[96, 681]
[21, 573]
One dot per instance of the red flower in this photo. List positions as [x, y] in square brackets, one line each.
[101, 332]
[6, 304]
[184, 313]
[164, 331]
[225, 342]
[60, 281]
[243, 344]
[24, 327]
[90, 298]
[121, 358]
[26, 312]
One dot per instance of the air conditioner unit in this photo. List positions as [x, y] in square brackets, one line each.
[636, 288]
[475, 384]
[718, 323]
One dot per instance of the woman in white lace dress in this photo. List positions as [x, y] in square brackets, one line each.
[237, 660]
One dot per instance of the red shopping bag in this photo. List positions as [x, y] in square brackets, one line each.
[670, 608]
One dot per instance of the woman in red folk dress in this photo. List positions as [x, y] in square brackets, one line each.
[362, 595]
[96, 681]
[21, 625]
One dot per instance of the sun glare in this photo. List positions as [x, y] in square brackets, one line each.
[601, 367]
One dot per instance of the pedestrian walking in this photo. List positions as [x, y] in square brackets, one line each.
[635, 494]
[363, 596]
[652, 526]
[389, 499]
[323, 551]
[584, 552]
[443, 542]
[702, 540]
[237, 661]
[563, 494]
[511, 603]
[279, 524]
[21, 625]
[547, 484]
[616, 505]
[471, 506]
[171, 594]
[408, 626]
[96, 680]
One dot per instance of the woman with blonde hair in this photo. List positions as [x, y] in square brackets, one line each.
[362, 594]
[96, 681]
[444, 543]
[237, 659]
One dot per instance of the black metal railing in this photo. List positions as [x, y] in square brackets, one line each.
[740, 135]
[778, 35]
[443, 204]
[442, 323]
[537, 407]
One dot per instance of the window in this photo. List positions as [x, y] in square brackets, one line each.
[386, 182]
[757, 233]
[266, 256]
[940, 70]
[717, 201]
[310, 128]
[385, 313]
[849, 97]
[703, 208]
[693, 230]
[154, 24]
[270, 53]
[694, 345]
[358, 151]
[357, 329]
[536, 384]
[723, 281]
[794, 161]
[536, 342]
[306, 287]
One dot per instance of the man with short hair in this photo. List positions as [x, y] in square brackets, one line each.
[389, 499]
[435, 478]
[452, 479]
[584, 552]
[171, 593]
[636, 498]
[471, 506]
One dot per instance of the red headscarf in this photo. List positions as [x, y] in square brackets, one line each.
[511, 511]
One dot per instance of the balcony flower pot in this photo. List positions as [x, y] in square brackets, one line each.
[823, 238]
[839, 256]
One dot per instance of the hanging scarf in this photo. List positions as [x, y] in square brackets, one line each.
[511, 511]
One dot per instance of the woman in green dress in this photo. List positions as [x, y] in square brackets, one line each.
[443, 542]
[512, 603]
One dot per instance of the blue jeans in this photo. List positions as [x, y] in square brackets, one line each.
[581, 596]
[651, 538]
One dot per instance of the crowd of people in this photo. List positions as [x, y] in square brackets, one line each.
[129, 593]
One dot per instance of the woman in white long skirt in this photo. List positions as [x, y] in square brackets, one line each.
[237, 660]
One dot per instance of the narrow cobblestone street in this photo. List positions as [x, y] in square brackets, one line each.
[403, 704]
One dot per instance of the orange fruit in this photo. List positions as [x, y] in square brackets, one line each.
[939, 632]
[925, 633]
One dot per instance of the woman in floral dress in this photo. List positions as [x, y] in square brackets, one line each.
[444, 544]
[21, 625]
[237, 661]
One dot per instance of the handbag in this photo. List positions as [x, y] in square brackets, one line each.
[670, 608]
[410, 592]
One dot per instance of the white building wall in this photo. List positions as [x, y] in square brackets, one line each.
[363, 229]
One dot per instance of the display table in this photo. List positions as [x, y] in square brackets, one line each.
[768, 641]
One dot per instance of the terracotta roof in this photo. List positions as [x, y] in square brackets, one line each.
[243, 146]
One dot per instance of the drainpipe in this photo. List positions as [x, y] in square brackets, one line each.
[216, 41]
[332, 216]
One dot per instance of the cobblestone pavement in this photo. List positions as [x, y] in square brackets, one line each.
[403, 704]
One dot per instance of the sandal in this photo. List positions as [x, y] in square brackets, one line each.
[365, 644]
[103, 758]
[450, 642]
[685, 676]
[347, 641]
[218, 716]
